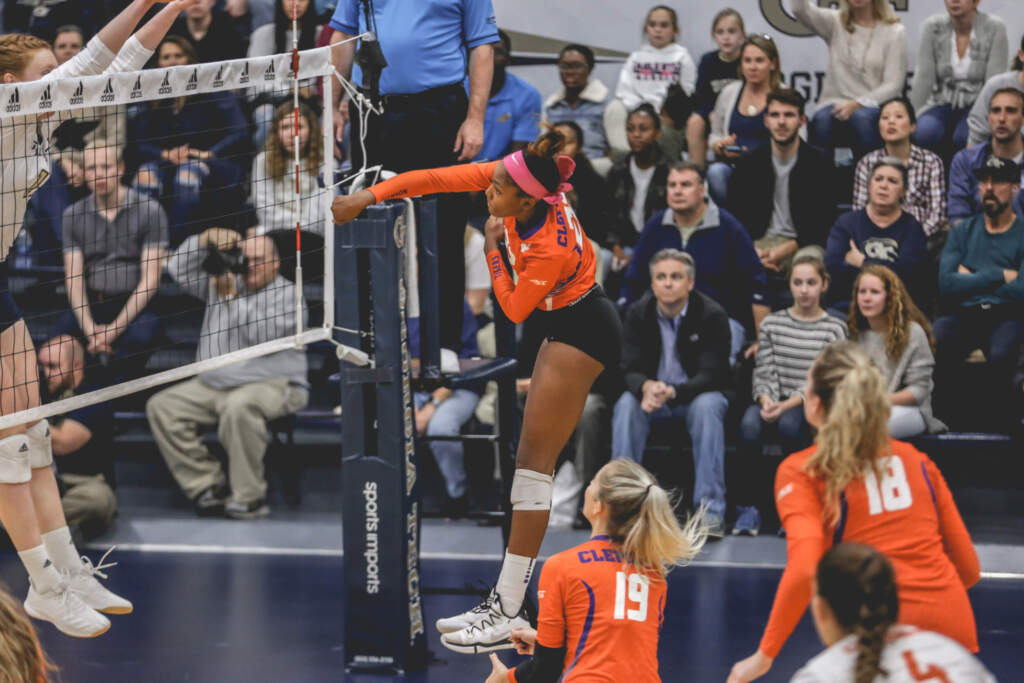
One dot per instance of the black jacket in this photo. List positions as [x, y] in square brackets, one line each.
[591, 200]
[812, 199]
[702, 345]
[621, 190]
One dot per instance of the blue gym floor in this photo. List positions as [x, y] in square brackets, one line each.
[238, 616]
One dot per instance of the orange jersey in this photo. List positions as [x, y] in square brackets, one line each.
[909, 516]
[606, 615]
[554, 261]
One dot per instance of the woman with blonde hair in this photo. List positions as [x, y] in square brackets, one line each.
[885, 322]
[602, 602]
[867, 65]
[858, 484]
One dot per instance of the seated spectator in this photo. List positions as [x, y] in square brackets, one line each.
[239, 398]
[675, 111]
[787, 346]
[187, 150]
[45, 20]
[513, 110]
[211, 33]
[589, 195]
[980, 273]
[737, 121]
[273, 174]
[780, 192]
[443, 412]
[898, 338]
[926, 177]
[977, 119]
[729, 269]
[959, 50]
[275, 39]
[716, 70]
[676, 365]
[659, 63]
[867, 65]
[636, 185]
[582, 99]
[45, 211]
[883, 233]
[68, 42]
[114, 242]
[1006, 119]
[83, 440]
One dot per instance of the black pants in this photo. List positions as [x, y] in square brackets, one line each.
[419, 132]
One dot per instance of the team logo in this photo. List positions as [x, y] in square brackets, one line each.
[136, 89]
[165, 86]
[14, 104]
[78, 97]
[269, 74]
[108, 92]
[244, 76]
[46, 99]
[193, 80]
[218, 80]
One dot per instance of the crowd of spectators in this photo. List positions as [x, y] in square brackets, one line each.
[740, 228]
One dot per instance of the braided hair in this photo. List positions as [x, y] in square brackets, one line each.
[859, 584]
[16, 50]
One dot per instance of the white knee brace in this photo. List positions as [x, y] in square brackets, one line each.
[531, 490]
[14, 460]
[40, 448]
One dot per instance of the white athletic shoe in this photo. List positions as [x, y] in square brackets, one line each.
[95, 594]
[466, 619]
[492, 632]
[65, 610]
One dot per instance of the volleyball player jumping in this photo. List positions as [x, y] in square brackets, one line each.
[857, 484]
[554, 263]
[62, 587]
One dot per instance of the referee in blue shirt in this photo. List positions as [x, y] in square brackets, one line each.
[428, 120]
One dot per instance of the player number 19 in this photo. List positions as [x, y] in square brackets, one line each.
[893, 493]
[636, 587]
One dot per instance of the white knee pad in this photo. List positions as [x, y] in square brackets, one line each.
[40, 448]
[14, 460]
[531, 490]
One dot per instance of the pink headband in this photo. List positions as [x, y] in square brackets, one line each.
[515, 164]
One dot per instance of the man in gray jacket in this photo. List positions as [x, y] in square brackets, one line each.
[241, 311]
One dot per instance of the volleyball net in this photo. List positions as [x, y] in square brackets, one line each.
[162, 223]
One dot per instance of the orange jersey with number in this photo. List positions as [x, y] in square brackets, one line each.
[908, 515]
[554, 261]
[606, 615]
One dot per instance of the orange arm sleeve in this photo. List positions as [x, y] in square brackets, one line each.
[800, 510]
[461, 178]
[955, 538]
[535, 282]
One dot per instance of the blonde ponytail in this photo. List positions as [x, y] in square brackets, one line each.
[856, 428]
[642, 519]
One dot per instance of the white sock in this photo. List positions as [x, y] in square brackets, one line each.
[62, 549]
[40, 569]
[513, 581]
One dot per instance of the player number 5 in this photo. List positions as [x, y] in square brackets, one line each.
[894, 491]
[637, 591]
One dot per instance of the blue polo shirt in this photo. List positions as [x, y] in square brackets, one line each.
[424, 41]
[512, 116]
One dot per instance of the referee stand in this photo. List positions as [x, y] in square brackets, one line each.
[382, 509]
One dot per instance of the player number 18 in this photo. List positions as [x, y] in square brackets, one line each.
[636, 587]
[893, 492]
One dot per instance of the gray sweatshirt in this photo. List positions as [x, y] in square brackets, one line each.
[912, 370]
[247, 319]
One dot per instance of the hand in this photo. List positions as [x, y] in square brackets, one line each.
[751, 351]
[522, 385]
[771, 412]
[348, 206]
[855, 257]
[470, 139]
[499, 672]
[102, 339]
[494, 231]
[653, 395]
[769, 259]
[524, 640]
[1009, 275]
[423, 416]
[236, 8]
[964, 270]
[222, 239]
[754, 666]
[176, 155]
[200, 154]
[340, 120]
[720, 147]
[844, 110]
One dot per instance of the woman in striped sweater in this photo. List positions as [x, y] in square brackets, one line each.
[788, 343]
